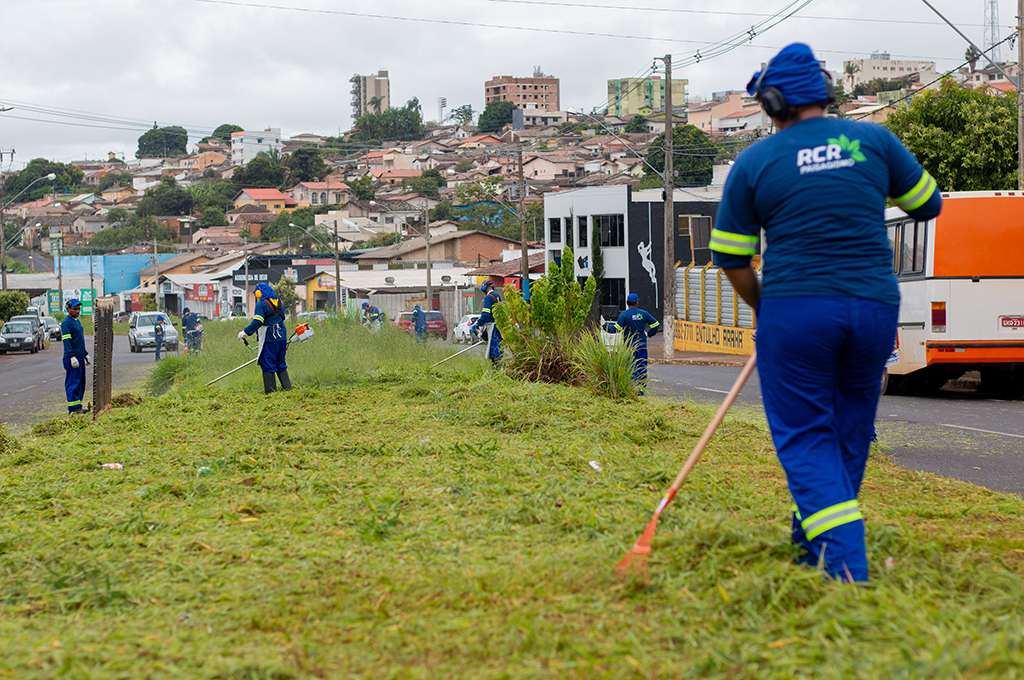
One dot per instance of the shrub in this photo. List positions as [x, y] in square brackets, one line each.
[607, 369]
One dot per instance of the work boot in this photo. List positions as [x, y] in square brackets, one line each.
[269, 382]
[286, 383]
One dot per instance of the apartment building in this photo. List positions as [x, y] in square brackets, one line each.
[879, 65]
[540, 91]
[630, 96]
[245, 145]
[370, 94]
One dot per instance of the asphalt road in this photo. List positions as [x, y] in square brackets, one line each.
[39, 262]
[32, 385]
[957, 433]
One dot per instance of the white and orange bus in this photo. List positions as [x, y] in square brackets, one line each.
[961, 278]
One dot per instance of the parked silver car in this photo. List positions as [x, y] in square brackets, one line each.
[52, 328]
[18, 336]
[141, 333]
[38, 330]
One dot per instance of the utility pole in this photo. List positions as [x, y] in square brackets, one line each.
[525, 269]
[669, 284]
[60, 269]
[426, 234]
[92, 286]
[3, 233]
[337, 268]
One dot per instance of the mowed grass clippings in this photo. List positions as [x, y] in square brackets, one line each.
[388, 520]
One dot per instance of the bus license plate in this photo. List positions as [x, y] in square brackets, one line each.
[1011, 321]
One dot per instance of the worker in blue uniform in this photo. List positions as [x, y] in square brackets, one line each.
[486, 321]
[828, 305]
[419, 322]
[371, 316]
[158, 332]
[636, 326]
[189, 321]
[75, 356]
[273, 341]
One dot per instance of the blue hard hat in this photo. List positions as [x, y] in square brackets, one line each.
[632, 297]
[73, 302]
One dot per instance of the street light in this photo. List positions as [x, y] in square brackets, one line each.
[337, 264]
[3, 239]
[426, 237]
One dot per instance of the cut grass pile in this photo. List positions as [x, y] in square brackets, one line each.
[388, 520]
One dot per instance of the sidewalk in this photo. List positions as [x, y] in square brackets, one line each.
[655, 354]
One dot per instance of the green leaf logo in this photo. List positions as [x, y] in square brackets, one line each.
[851, 147]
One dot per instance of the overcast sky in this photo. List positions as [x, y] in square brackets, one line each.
[286, 63]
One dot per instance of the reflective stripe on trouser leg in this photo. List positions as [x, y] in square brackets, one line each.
[802, 389]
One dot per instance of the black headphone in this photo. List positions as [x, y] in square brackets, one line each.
[774, 102]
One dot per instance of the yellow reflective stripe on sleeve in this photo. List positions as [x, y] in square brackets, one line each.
[734, 244]
[66, 337]
[655, 324]
[919, 195]
[258, 318]
[796, 511]
[830, 518]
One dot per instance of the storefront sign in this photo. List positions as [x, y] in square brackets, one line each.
[706, 337]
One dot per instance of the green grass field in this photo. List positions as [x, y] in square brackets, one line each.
[386, 520]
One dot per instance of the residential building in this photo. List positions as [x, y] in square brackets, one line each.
[329, 192]
[879, 65]
[367, 88]
[204, 159]
[993, 77]
[631, 227]
[630, 96]
[246, 208]
[245, 145]
[271, 199]
[541, 91]
[702, 115]
[453, 248]
[537, 117]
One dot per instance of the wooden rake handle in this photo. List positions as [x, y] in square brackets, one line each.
[712, 426]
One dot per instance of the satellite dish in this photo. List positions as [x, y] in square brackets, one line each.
[446, 278]
[389, 280]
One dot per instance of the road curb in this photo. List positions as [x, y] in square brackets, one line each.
[699, 362]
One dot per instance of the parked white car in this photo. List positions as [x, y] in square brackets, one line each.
[141, 333]
[461, 332]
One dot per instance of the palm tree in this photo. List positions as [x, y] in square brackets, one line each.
[851, 71]
[971, 56]
[375, 103]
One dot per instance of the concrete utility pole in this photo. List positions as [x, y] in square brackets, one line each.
[669, 284]
[525, 270]
[426, 235]
[337, 269]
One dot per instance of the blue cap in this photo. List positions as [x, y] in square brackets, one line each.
[795, 71]
[73, 302]
[365, 305]
[632, 297]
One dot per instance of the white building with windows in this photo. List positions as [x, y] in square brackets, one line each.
[879, 65]
[245, 145]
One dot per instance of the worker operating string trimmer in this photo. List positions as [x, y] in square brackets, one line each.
[273, 339]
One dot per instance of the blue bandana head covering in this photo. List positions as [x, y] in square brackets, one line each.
[416, 308]
[796, 73]
[265, 292]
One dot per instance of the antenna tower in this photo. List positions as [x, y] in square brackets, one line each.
[992, 29]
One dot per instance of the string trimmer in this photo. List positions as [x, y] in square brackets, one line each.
[302, 333]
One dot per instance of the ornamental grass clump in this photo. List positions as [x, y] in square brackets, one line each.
[608, 368]
[539, 336]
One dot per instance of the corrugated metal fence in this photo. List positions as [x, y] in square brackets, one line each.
[704, 295]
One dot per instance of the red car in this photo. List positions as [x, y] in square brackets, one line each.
[436, 324]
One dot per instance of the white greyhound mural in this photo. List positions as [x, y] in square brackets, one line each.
[645, 258]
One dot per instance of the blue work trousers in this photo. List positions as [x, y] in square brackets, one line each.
[74, 384]
[494, 348]
[640, 364]
[820, 360]
[272, 358]
[159, 345]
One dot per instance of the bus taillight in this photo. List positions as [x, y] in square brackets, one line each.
[938, 317]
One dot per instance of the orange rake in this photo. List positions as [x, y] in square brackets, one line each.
[635, 561]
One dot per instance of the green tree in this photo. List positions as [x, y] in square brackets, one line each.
[285, 289]
[637, 123]
[278, 230]
[165, 142]
[259, 172]
[13, 303]
[68, 179]
[464, 165]
[115, 179]
[382, 240]
[218, 194]
[213, 217]
[965, 138]
[363, 188]
[496, 115]
[441, 211]
[401, 124]
[428, 183]
[540, 334]
[693, 156]
[375, 104]
[971, 56]
[223, 132]
[876, 85]
[167, 198]
[136, 229]
[851, 70]
[305, 165]
[463, 115]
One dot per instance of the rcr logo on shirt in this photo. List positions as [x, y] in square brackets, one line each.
[830, 156]
[819, 154]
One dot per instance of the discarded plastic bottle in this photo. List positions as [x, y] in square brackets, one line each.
[112, 466]
[205, 471]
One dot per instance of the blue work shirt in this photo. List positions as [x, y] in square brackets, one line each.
[419, 319]
[189, 321]
[270, 317]
[486, 316]
[818, 189]
[74, 338]
[634, 322]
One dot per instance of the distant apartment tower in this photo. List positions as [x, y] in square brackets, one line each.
[245, 145]
[538, 92]
[630, 96]
[367, 88]
[879, 65]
